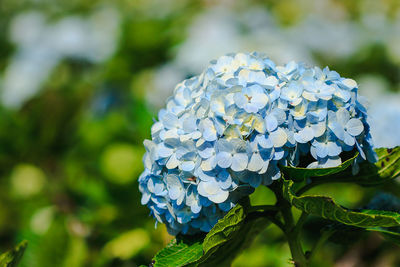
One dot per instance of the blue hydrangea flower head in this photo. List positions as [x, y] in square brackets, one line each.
[227, 131]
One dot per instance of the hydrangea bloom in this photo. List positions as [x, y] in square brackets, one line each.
[227, 131]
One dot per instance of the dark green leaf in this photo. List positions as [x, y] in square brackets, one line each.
[13, 257]
[230, 236]
[327, 208]
[300, 174]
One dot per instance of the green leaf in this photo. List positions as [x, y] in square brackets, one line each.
[13, 257]
[300, 174]
[387, 168]
[231, 235]
[224, 230]
[226, 239]
[371, 174]
[327, 208]
[179, 252]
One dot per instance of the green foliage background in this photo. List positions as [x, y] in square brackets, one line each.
[68, 168]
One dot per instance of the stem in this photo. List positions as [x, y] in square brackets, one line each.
[324, 237]
[267, 211]
[293, 236]
[291, 230]
[300, 222]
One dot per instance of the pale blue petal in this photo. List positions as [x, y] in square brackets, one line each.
[240, 99]
[348, 139]
[256, 163]
[278, 137]
[337, 129]
[264, 141]
[145, 198]
[169, 120]
[330, 162]
[271, 122]
[342, 116]
[224, 159]
[164, 151]
[333, 149]
[354, 127]
[239, 162]
[250, 108]
[220, 197]
[208, 188]
[279, 154]
[207, 152]
[224, 180]
[187, 166]
[313, 152]
[304, 136]
[259, 100]
[318, 129]
[172, 162]
[321, 150]
[209, 164]
[189, 124]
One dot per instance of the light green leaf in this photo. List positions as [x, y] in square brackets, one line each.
[13, 257]
[327, 208]
[300, 174]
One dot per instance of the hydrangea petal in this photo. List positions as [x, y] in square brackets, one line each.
[239, 162]
[354, 127]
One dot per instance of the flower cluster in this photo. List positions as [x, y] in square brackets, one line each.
[227, 131]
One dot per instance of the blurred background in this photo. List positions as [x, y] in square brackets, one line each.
[81, 82]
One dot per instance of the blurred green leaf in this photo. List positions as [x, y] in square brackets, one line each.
[13, 257]
[300, 174]
[27, 180]
[327, 208]
[128, 244]
[121, 162]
